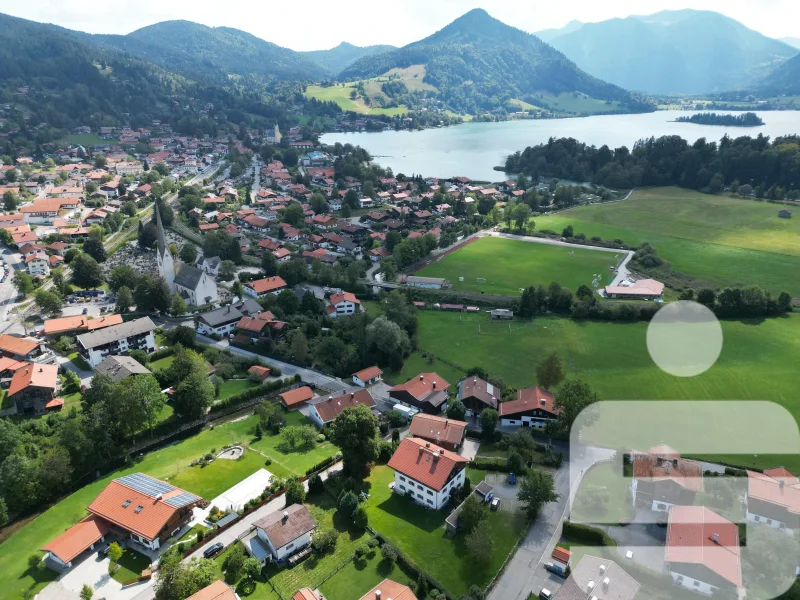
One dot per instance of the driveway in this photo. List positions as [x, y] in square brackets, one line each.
[469, 449]
[505, 491]
[93, 571]
[85, 376]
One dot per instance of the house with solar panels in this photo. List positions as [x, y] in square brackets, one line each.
[136, 507]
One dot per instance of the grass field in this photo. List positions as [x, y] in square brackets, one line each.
[131, 565]
[161, 363]
[577, 103]
[361, 575]
[235, 386]
[79, 361]
[758, 361]
[170, 463]
[618, 507]
[724, 241]
[84, 139]
[508, 265]
[419, 533]
[340, 94]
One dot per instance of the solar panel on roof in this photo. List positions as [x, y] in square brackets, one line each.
[146, 485]
[181, 500]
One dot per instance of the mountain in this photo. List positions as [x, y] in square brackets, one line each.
[683, 52]
[792, 41]
[478, 63]
[214, 53]
[784, 79]
[342, 56]
[548, 35]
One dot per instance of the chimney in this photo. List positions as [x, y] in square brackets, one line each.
[427, 444]
[352, 395]
[781, 483]
[543, 401]
[41, 369]
[606, 583]
[377, 595]
[716, 538]
[330, 398]
[434, 385]
[602, 569]
[421, 377]
[285, 515]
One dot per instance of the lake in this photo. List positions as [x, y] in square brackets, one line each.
[473, 149]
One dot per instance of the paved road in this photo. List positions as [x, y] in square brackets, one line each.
[524, 573]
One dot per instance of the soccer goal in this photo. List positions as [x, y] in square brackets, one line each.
[481, 280]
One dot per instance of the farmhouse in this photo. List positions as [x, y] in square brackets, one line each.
[33, 388]
[368, 376]
[323, 413]
[120, 367]
[296, 397]
[476, 394]
[599, 578]
[118, 339]
[447, 433]
[426, 472]
[533, 407]
[703, 552]
[427, 392]
[773, 498]
[281, 534]
[644, 289]
[662, 479]
[141, 508]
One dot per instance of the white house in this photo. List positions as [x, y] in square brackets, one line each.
[221, 321]
[211, 265]
[773, 499]
[368, 376]
[533, 407]
[343, 304]
[36, 264]
[426, 472]
[262, 287]
[281, 534]
[118, 339]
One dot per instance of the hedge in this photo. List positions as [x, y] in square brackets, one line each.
[154, 356]
[590, 536]
[262, 390]
[324, 464]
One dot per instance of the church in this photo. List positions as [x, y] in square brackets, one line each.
[193, 285]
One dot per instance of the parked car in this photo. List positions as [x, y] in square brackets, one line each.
[489, 497]
[495, 504]
[512, 478]
[554, 569]
[103, 552]
[85, 311]
[213, 550]
[546, 594]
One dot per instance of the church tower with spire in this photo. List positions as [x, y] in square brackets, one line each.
[166, 264]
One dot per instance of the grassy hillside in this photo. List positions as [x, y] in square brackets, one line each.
[724, 241]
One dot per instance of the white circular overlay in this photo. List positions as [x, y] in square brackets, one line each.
[684, 338]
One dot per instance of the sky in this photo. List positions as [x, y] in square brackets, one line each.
[321, 24]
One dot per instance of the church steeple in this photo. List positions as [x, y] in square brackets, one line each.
[162, 245]
[164, 260]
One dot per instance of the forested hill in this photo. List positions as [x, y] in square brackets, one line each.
[772, 167]
[784, 79]
[213, 53]
[342, 56]
[478, 63]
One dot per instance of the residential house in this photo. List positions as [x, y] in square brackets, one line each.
[54, 328]
[37, 265]
[476, 394]
[19, 348]
[144, 510]
[703, 552]
[597, 578]
[120, 367]
[349, 246]
[138, 334]
[33, 387]
[282, 254]
[533, 407]
[45, 210]
[427, 392]
[281, 534]
[367, 377]
[391, 590]
[211, 265]
[343, 304]
[444, 432]
[219, 590]
[297, 397]
[426, 472]
[662, 479]
[377, 254]
[262, 287]
[221, 321]
[773, 498]
[325, 412]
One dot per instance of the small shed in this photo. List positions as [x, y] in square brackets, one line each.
[785, 214]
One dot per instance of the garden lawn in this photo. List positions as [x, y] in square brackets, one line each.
[618, 509]
[193, 532]
[79, 361]
[161, 363]
[231, 387]
[416, 364]
[131, 565]
[719, 240]
[259, 589]
[758, 359]
[171, 462]
[314, 569]
[361, 575]
[509, 265]
[419, 533]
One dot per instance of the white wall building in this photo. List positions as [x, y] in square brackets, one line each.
[426, 472]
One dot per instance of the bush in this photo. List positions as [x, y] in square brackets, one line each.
[348, 503]
[385, 451]
[315, 484]
[320, 438]
[389, 553]
[325, 541]
[323, 464]
[373, 543]
[360, 551]
[585, 534]
[396, 419]
[384, 427]
[360, 518]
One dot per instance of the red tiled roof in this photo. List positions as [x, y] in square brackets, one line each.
[561, 554]
[691, 540]
[436, 428]
[55, 404]
[529, 399]
[53, 326]
[425, 462]
[219, 590]
[262, 372]
[767, 487]
[344, 297]
[77, 538]
[368, 373]
[268, 284]
[251, 324]
[34, 375]
[305, 594]
[391, 590]
[422, 385]
[329, 409]
[297, 396]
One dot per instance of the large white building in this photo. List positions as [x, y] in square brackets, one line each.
[118, 339]
[426, 472]
[193, 285]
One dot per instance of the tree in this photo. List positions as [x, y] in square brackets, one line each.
[293, 271]
[456, 411]
[325, 541]
[269, 264]
[23, 282]
[315, 484]
[346, 211]
[389, 553]
[298, 346]
[295, 492]
[293, 214]
[480, 543]
[194, 395]
[122, 275]
[422, 586]
[10, 201]
[86, 592]
[550, 371]
[177, 306]
[48, 302]
[227, 270]
[389, 269]
[34, 562]
[472, 513]
[148, 234]
[537, 489]
[515, 462]
[147, 392]
[188, 253]
[392, 239]
[388, 342]
[124, 299]
[522, 212]
[86, 272]
[707, 297]
[571, 398]
[288, 302]
[234, 561]
[183, 335]
[360, 518]
[348, 503]
[3, 512]
[114, 552]
[95, 249]
[355, 432]
[178, 580]
[251, 567]
[489, 419]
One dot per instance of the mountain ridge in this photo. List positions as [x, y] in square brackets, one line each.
[339, 57]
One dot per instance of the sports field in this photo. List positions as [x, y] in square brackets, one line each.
[720, 240]
[508, 265]
[758, 361]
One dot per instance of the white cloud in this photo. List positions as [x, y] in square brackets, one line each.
[315, 24]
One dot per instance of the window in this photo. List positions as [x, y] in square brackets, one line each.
[290, 546]
[419, 487]
[430, 493]
[696, 584]
[769, 521]
[679, 579]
